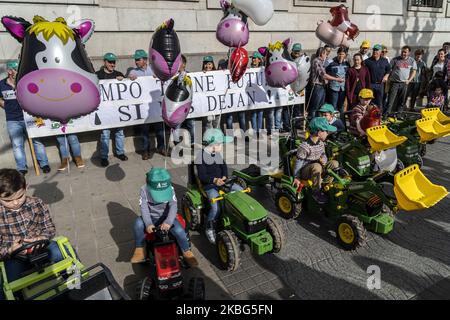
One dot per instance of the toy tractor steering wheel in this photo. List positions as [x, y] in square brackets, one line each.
[31, 248]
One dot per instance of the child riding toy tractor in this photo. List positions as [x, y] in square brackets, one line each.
[67, 279]
[165, 280]
[242, 220]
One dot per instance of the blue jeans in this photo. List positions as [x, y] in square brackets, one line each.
[177, 231]
[316, 98]
[286, 115]
[72, 141]
[241, 117]
[274, 119]
[17, 134]
[104, 142]
[214, 193]
[257, 120]
[189, 125]
[378, 92]
[337, 98]
[159, 132]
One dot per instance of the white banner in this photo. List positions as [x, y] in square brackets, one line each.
[128, 103]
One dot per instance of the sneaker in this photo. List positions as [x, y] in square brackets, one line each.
[190, 258]
[122, 157]
[64, 164]
[138, 255]
[320, 197]
[211, 235]
[79, 162]
[104, 162]
[46, 169]
[145, 156]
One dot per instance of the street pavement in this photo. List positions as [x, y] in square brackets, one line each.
[96, 207]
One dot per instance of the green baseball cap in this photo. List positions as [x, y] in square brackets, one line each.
[327, 108]
[297, 47]
[12, 64]
[208, 59]
[159, 185]
[321, 124]
[257, 55]
[139, 54]
[215, 136]
[110, 56]
[377, 47]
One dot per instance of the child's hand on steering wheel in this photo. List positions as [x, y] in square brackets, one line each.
[150, 228]
[297, 183]
[165, 227]
[219, 182]
[16, 245]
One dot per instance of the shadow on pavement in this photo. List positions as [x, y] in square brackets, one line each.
[115, 173]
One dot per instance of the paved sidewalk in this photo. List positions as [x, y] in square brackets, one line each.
[95, 207]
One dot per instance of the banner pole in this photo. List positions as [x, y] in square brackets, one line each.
[33, 156]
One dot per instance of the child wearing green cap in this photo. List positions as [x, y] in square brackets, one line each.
[212, 171]
[328, 112]
[159, 208]
[312, 161]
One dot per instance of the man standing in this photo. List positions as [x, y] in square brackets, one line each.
[143, 69]
[364, 49]
[108, 72]
[415, 88]
[379, 69]
[336, 90]
[403, 71]
[15, 123]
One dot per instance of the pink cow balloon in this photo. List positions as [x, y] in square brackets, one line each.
[342, 22]
[331, 35]
[55, 78]
[232, 30]
[280, 69]
[177, 100]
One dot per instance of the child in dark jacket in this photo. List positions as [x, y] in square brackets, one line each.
[212, 172]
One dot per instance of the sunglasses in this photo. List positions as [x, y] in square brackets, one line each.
[111, 62]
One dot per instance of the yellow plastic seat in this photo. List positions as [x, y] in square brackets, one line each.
[381, 138]
[414, 191]
[429, 129]
[437, 114]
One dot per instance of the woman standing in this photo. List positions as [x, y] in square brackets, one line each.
[207, 66]
[257, 115]
[358, 77]
[441, 64]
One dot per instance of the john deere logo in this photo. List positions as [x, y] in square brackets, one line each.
[161, 185]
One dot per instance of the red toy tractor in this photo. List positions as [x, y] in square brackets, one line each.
[166, 280]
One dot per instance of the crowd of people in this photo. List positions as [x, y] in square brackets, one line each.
[335, 81]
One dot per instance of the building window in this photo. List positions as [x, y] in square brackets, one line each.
[317, 3]
[427, 3]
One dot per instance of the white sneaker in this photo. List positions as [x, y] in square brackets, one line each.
[211, 235]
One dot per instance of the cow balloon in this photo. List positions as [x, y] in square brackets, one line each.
[55, 78]
[342, 22]
[177, 100]
[232, 30]
[331, 35]
[260, 11]
[280, 70]
[165, 52]
[303, 64]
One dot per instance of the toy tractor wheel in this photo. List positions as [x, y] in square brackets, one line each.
[241, 182]
[277, 233]
[144, 289]
[350, 232]
[419, 161]
[423, 150]
[196, 289]
[287, 206]
[191, 215]
[400, 165]
[228, 249]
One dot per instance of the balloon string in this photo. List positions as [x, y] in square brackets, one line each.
[164, 131]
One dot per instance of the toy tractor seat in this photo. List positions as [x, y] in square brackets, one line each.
[253, 171]
[437, 114]
[430, 128]
[414, 191]
[194, 180]
[381, 138]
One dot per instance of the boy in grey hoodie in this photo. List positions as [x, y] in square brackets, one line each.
[159, 208]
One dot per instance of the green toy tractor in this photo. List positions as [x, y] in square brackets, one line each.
[67, 279]
[241, 220]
